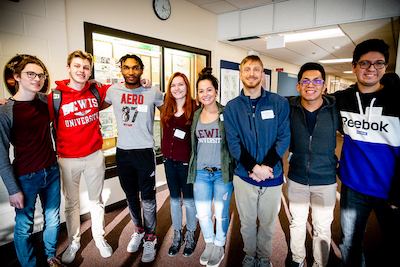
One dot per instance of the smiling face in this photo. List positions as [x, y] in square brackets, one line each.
[311, 92]
[178, 88]
[369, 78]
[206, 92]
[79, 71]
[132, 71]
[28, 84]
[251, 74]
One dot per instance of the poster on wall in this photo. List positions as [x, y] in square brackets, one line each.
[231, 83]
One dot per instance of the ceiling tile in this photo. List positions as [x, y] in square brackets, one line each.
[219, 7]
[248, 3]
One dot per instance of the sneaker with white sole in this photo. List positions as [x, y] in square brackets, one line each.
[69, 254]
[136, 240]
[104, 248]
[216, 256]
[205, 256]
[149, 248]
[250, 261]
[264, 262]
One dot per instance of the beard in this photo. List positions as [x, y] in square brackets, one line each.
[251, 84]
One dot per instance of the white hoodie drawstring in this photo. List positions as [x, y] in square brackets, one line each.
[371, 105]
[360, 109]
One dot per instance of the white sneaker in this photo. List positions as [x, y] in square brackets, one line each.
[104, 248]
[69, 254]
[136, 240]
[149, 249]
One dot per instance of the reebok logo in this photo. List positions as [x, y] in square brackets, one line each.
[365, 125]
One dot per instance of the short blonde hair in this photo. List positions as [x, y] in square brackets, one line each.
[82, 55]
[250, 58]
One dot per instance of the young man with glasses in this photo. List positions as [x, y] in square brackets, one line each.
[369, 165]
[25, 123]
[258, 134]
[314, 120]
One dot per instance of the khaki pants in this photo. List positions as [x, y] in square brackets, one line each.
[92, 167]
[322, 200]
[254, 202]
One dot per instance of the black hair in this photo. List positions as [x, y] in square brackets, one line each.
[135, 57]
[205, 74]
[371, 45]
[311, 66]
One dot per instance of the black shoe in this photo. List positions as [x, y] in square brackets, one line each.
[190, 244]
[177, 242]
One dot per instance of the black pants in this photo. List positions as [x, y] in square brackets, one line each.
[136, 170]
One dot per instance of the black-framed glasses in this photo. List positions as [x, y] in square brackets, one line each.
[308, 82]
[365, 64]
[32, 75]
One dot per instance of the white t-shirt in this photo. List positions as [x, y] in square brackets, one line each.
[134, 110]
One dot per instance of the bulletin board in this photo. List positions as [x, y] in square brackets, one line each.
[231, 84]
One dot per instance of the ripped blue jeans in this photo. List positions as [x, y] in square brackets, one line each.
[209, 186]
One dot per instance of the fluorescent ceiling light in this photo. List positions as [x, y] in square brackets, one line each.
[338, 60]
[304, 36]
[348, 71]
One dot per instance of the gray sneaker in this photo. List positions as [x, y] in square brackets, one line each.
[264, 262]
[205, 256]
[216, 256]
[249, 261]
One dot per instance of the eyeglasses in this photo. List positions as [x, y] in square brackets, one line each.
[365, 64]
[32, 75]
[308, 82]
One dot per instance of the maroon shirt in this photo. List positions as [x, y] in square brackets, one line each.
[175, 143]
[30, 136]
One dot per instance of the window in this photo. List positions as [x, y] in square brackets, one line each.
[160, 58]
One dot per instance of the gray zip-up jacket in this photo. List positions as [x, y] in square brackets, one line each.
[313, 160]
[6, 124]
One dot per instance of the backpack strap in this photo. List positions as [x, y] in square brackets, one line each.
[96, 93]
[57, 98]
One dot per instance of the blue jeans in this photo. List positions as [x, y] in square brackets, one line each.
[209, 186]
[176, 173]
[355, 208]
[46, 184]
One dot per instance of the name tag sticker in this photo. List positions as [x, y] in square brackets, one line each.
[376, 111]
[179, 134]
[221, 117]
[267, 114]
[142, 108]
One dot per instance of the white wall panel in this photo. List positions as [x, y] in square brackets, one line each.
[382, 8]
[330, 12]
[294, 14]
[256, 21]
[228, 25]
